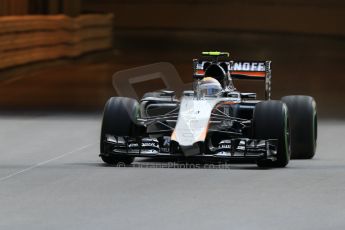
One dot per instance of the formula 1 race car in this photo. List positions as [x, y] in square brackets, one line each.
[212, 121]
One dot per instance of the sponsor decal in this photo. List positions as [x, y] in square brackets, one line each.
[249, 66]
[149, 144]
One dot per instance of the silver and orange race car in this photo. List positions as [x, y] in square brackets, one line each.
[212, 121]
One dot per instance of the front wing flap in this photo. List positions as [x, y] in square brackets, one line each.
[232, 149]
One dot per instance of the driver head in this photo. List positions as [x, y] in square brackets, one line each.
[210, 87]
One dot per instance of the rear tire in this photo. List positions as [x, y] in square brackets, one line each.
[119, 119]
[303, 122]
[270, 121]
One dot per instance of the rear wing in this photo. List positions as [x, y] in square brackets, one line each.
[248, 70]
[253, 70]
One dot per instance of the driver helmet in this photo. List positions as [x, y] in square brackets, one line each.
[210, 87]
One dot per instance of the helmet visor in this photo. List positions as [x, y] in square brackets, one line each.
[210, 89]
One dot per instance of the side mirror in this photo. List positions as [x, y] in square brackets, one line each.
[188, 93]
[168, 93]
[248, 95]
[234, 95]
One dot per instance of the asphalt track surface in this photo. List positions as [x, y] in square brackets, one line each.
[52, 178]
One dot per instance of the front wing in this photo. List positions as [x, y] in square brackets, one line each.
[234, 150]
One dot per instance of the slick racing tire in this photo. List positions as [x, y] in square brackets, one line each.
[303, 123]
[271, 121]
[119, 119]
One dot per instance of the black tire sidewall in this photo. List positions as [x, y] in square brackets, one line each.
[119, 118]
[270, 121]
[303, 123]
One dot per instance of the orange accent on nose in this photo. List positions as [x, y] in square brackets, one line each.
[203, 134]
[173, 136]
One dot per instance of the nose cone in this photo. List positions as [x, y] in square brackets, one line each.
[192, 150]
[192, 124]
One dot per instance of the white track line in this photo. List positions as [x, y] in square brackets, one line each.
[46, 162]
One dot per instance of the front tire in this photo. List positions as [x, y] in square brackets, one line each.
[119, 119]
[270, 121]
[303, 121]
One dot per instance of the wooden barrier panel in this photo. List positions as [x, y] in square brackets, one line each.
[25, 39]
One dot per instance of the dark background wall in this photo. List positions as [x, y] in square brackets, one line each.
[292, 16]
[303, 38]
[24, 7]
